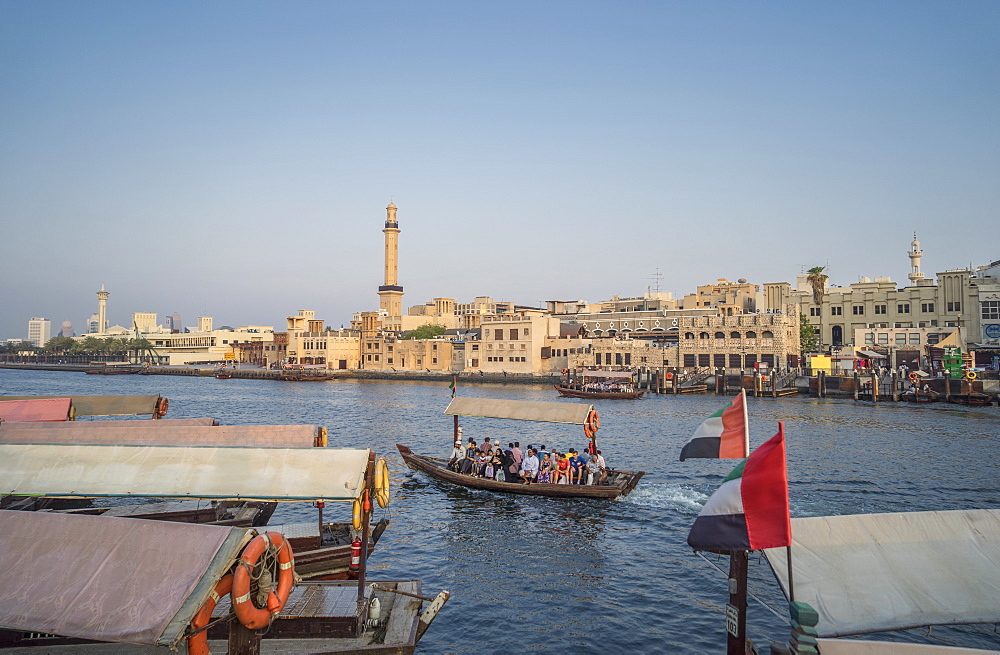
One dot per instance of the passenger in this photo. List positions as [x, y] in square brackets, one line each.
[529, 467]
[545, 469]
[575, 467]
[486, 447]
[456, 455]
[604, 467]
[562, 473]
[495, 469]
[514, 468]
[482, 461]
[469, 461]
[593, 469]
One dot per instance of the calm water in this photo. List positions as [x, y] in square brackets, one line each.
[562, 575]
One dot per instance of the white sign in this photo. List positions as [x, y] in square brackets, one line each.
[732, 620]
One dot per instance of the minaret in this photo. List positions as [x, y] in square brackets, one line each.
[102, 310]
[915, 254]
[390, 293]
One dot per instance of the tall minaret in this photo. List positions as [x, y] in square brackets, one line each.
[390, 293]
[102, 310]
[915, 254]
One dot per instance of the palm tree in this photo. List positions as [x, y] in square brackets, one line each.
[817, 279]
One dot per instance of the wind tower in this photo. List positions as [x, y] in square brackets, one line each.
[102, 310]
[390, 293]
[915, 254]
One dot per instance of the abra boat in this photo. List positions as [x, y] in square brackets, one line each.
[920, 396]
[617, 483]
[600, 385]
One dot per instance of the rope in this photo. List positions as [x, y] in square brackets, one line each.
[751, 595]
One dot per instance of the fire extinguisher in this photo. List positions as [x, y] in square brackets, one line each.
[355, 554]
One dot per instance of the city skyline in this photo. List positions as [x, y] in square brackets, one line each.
[234, 160]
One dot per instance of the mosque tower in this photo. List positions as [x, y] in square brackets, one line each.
[390, 293]
[915, 254]
[102, 310]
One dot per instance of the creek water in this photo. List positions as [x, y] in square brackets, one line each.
[557, 575]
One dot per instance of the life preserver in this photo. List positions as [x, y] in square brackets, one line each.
[914, 377]
[381, 483]
[198, 643]
[356, 518]
[592, 424]
[564, 371]
[161, 407]
[322, 438]
[970, 375]
[251, 616]
[668, 376]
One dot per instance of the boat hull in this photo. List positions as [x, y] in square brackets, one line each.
[599, 395]
[623, 482]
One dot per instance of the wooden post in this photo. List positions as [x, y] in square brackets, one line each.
[874, 387]
[720, 381]
[736, 610]
[675, 380]
[857, 386]
[756, 383]
[821, 383]
[947, 386]
[365, 516]
[894, 381]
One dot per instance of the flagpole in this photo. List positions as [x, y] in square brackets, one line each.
[788, 548]
[454, 388]
[746, 423]
[736, 610]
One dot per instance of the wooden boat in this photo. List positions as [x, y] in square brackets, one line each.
[973, 398]
[243, 514]
[617, 483]
[304, 376]
[572, 392]
[35, 410]
[223, 375]
[599, 385]
[329, 557]
[920, 396]
[124, 405]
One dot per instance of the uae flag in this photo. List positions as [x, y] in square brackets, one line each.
[723, 435]
[750, 510]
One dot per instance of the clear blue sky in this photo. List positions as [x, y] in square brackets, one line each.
[234, 159]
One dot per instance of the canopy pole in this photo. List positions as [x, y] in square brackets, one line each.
[736, 610]
[365, 515]
[791, 586]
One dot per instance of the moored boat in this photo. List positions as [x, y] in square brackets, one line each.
[573, 392]
[599, 385]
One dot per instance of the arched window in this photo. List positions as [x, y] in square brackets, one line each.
[751, 334]
[703, 335]
[720, 335]
[689, 335]
[767, 334]
[734, 335]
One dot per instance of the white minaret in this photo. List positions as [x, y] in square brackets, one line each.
[390, 293]
[915, 254]
[102, 310]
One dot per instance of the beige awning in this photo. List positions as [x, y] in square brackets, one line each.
[104, 405]
[272, 474]
[520, 409]
[110, 579]
[161, 433]
[868, 573]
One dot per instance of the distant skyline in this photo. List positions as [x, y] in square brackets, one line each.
[234, 159]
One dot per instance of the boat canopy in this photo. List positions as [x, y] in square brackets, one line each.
[865, 647]
[269, 474]
[616, 375]
[520, 409]
[34, 410]
[104, 405]
[111, 579]
[878, 572]
[155, 433]
[112, 423]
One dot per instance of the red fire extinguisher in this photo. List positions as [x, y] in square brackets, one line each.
[355, 554]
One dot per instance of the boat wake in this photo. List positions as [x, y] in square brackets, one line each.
[667, 496]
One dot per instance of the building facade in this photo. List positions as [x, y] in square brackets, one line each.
[39, 331]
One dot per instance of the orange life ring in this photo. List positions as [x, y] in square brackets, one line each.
[161, 407]
[198, 643]
[914, 377]
[668, 376]
[251, 616]
[592, 424]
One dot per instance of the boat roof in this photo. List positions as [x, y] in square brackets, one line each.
[160, 433]
[34, 409]
[269, 474]
[109, 423]
[103, 405]
[523, 410]
[866, 647]
[110, 579]
[879, 572]
[606, 374]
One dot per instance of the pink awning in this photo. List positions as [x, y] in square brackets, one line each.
[48, 409]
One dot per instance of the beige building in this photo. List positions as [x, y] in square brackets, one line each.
[729, 298]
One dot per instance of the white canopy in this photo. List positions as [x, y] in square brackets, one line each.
[864, 647]
[878, 572]
[520, 409]
[160, 433]
[278, 474]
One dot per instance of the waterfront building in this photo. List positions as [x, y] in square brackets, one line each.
[39, 331]
[728, 298]
[102, 310]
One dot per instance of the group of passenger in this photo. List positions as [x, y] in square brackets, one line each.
[533, 465]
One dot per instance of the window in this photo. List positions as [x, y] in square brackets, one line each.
[720, 335]
[751, 334]
[903, 308]
[900, 338]
[933, 339]
[618, 359]
[880, 309]
[513, 334]
[703, 335]
[767, 334]
[719, 361]
[689, 360]
[388, 360]
[858, 310]
[734, 335]
[689, 335]
[524, 331]
[704, 360]
[815, 311]
[607, 359]
[628, 359]
[735, 361]
[870, 339]
[836, 311]
[434, 360]
[883, 339]
[991, 310]
[954, 307]
[927, 307]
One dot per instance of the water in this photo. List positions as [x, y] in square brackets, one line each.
[555, 575]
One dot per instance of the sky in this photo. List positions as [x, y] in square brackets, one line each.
[234, 159]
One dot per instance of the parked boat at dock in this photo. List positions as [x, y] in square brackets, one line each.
[599, 385]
